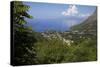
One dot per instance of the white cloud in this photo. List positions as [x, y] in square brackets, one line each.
[73, 11]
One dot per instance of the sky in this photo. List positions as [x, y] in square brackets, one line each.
[59, 17]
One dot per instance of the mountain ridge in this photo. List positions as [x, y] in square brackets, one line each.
[89, 25]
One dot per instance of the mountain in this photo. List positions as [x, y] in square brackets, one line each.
[88, 26]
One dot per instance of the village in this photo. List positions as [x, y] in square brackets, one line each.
[67, 37]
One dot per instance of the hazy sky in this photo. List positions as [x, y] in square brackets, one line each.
[49, 16]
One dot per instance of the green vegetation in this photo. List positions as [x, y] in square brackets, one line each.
[55, 51]
[23, 36]
[31, 47]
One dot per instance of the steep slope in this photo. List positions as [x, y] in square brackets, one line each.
[89, 25]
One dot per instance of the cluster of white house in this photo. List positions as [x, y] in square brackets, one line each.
[58, 36]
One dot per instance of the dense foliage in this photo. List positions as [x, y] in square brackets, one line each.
[55, 51]
[23, 36]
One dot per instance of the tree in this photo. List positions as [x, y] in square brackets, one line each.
[23, 36]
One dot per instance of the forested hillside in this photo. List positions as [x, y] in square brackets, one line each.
[89, 25]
